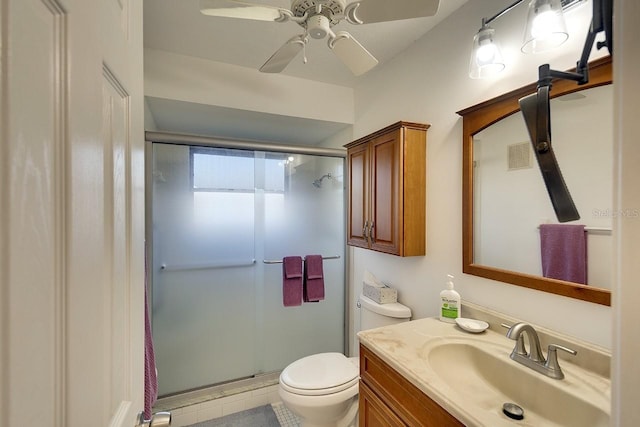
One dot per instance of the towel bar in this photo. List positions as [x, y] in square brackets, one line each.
[603, 230]
[279, 261]
[207, 266]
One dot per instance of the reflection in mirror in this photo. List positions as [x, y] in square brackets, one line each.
[504, 197]
[537, 116]
[510, 200]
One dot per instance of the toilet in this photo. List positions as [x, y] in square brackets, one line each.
[322, 389]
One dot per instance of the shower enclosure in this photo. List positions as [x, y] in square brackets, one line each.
[221, 221]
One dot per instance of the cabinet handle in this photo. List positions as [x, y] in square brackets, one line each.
[373, 240]
[365, 228]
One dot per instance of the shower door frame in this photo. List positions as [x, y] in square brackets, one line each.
[219, 142]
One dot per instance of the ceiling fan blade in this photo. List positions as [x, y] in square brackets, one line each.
[370, 11]
[240, 9]
[284, 55]
[352, 53]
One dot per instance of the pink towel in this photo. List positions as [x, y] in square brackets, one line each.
[564, 252]
[292, 281]
[150, 378]
[313, 278]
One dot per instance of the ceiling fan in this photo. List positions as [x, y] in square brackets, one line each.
[317, 17]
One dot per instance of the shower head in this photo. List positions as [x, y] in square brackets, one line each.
[318, 182]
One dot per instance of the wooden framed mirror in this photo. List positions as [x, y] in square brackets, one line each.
[476, 122]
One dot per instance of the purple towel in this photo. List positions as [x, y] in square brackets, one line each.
[564, 252]
[313, 278]
[150, 378]
[292, 281]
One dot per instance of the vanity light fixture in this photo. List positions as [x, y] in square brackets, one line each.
[545, 30]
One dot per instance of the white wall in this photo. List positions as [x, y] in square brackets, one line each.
[184, 78]
[626, 294]
[429, 83]
[149, 121]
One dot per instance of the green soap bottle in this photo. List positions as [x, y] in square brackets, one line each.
[449, 303]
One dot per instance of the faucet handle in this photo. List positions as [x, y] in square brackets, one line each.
[553, 347]
[552, 359]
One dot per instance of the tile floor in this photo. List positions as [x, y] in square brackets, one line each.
[203, 405]
[285, 417]
[262, 416]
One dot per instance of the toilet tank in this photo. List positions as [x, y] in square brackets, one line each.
[374, 315]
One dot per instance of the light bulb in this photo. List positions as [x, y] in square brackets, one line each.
[545, 26]
[486, 53]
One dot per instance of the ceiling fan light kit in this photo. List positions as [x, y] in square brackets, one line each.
[317, 17]
[318, 26]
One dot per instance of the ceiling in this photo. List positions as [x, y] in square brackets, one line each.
[178, 26]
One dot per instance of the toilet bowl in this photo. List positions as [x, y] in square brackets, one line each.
[322, 390]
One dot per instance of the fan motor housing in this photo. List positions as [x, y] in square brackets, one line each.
[328, 8]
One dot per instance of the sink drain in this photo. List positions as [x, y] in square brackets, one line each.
[512, 410]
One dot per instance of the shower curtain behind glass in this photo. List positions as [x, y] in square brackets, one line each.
[217, 307]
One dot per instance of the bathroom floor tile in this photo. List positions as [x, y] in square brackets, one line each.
[285, 417]
[263, 416]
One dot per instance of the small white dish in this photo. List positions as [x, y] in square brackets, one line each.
[472, 325]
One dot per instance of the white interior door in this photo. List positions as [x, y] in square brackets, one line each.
[72, 213]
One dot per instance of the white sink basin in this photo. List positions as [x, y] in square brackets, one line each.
[479, 375]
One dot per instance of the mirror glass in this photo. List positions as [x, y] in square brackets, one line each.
[511, 200]
[505, 200]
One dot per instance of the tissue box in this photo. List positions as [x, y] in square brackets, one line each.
[380, 294]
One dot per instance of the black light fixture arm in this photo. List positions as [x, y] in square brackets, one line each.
[581, 76]
[487, 21]
[546, 75]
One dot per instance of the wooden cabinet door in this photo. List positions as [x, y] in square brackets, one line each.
[386, 194]
[373, 412]
[383, 391]
[358, 221]
[387, 179]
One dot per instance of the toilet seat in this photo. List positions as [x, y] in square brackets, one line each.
[319, 374]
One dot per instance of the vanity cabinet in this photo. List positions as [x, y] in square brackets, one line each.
[387, 194]
[388, 399]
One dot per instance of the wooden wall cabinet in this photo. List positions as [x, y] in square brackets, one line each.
[387, 194]
[388, 399]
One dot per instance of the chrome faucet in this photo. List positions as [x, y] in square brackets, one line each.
[534, 359]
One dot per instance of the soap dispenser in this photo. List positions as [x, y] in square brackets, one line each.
[449, 303]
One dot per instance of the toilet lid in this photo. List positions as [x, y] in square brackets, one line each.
[331, 371]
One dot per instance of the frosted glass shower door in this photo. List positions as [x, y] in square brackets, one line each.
[217, 214]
